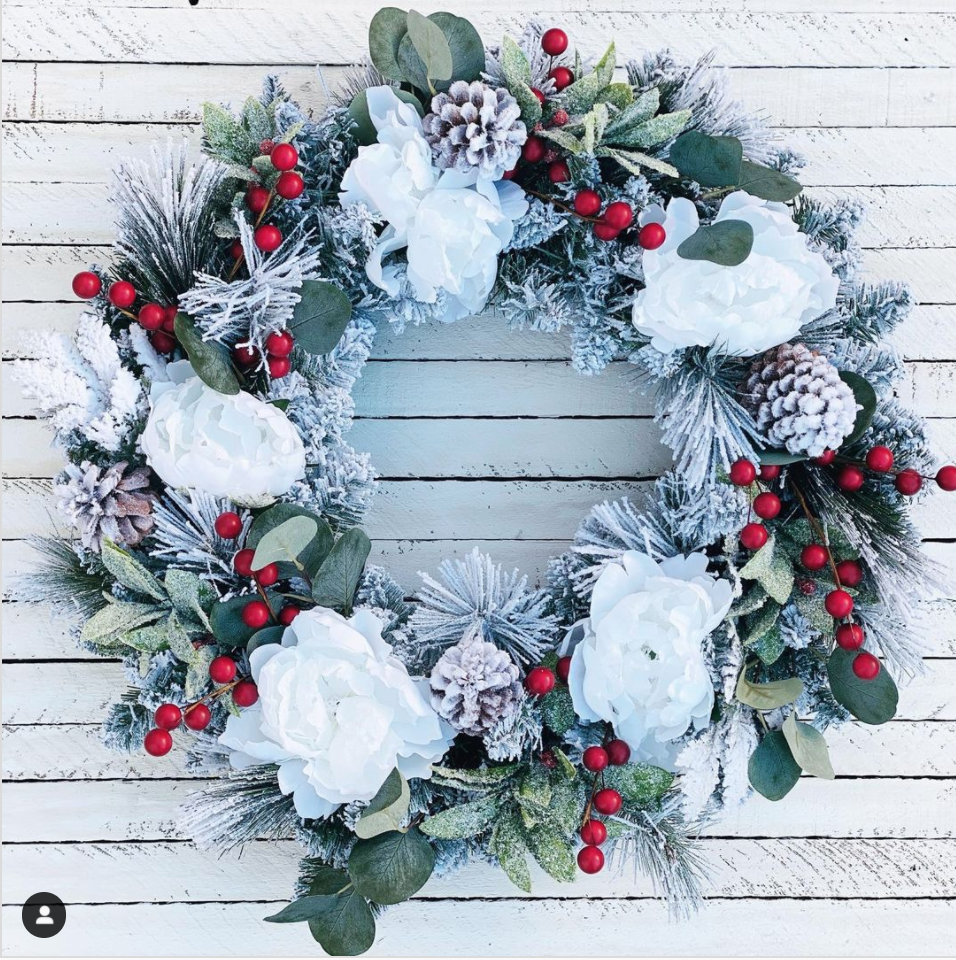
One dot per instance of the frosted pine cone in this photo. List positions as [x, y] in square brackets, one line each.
[798, 400]
[107, 503]
[474, 685]
[474, 125]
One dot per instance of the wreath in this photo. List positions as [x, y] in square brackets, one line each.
[681, 653]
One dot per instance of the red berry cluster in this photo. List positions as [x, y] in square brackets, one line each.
[604, 800]
[289, 185]
[279, 347]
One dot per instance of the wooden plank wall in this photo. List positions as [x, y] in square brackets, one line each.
[482, 436]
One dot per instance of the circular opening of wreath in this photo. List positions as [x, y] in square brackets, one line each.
[679, 653]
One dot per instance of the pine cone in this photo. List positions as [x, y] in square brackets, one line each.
[107, 503]
[474, 685]
[474, 125]
[798, 400]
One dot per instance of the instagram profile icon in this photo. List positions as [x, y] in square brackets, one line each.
[44, 915]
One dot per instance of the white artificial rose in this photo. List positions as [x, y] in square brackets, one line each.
[638, 660]
[231, 446]
[740, 310]
[337, 712]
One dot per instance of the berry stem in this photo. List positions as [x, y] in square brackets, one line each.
[561, 206]
[218, 692]
[265, 600]
[240, 260]
[820, 532]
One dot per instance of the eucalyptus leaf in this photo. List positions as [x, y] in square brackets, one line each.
[772, 770]
[130, 572]
[768, 696]
[285, 542]
[431, 45]
[343, 925]
[320, 317]
[726, 242]
[767, 184]
[264, 637]
[315, 552]
[779, 458]
[865, 396]
[808, 747]
[364, 130]
[711, 161]
[391, 867]
[209, 359]
[385, 33]
[335, 583]
[387, 809]
[467, 48]
[872, 701]
[228, 627]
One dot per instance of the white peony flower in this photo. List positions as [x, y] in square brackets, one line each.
[337, 713]
[638, 660]
[236, 447]
[453, 224]
[740, 310]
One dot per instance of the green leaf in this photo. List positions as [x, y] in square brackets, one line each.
[872, 701]
[345, 927]
[772, 569]
[391, 867]
[595, 123]
[197, 676]
[865, 396]
[257, 120]
[431, 46]
[517, 74]
[209, 359]
[808, 747]
[467, 49]
[753, 598]
[581, 95]
[320, 317]
[639, 783]
[711, 161]
[387, 809]
[508, 844]
[659, 129]
[553, 853]
[129, 572]
[228, 627]
[779, 458]
[179, 640]
[334, 585]
[768, 696]
[754, 626]
[312, 556]
[385, 33]
[191, 596]
[634, 160]
[115, 619]
[564, 764]
[463, 821]
[637, 113]
[470, 779]
[619, 95]
[364, 130]
[535, 787]
[285, 542]
[149, 639]
[557, 711]
[227, 139]
[566, 140]
[303, 909]
[727, 242]
[773, 771]
[767, 184]
[264, 637]
[769, 648]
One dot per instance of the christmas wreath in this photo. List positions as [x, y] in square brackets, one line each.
[681, 653]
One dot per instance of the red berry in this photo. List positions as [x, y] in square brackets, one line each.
[284, 156]
[607, 801]
[228, 525]
[266, 147]
[753, 536]
[235, 249]
[559, 118]
[279, 343]
[562, 77]
[222, 670]
[880, 459]
[550, 155]
[268, 238]
[618, 752]
[849, 636]
[742, 473]
[850, 478]
[288, 613]
[850, 573]
[246, 356]
[770, 471]
[946, 479]
[866, 666]
[86, 285]
[157, 742]
[814, 557]
[197, 716]
[604, 231]
[242, 562]
[564, 669]
[255, 614]
[595, 759]
[267, 575]
[548, 759]
[908, 482]
[257, 199]
[554, 42]
[245, 694]
[594, 832]
[587, 203]
[839, 604]
[591, 859]
[539, 681]
[651, 236]
[279, 367]
[558, 172]
[151, 316]
[121, 294]
[162, 342]
[533, 149]
[619, 214]
[168, 716]
[539, 95]
[807, 587]
[169, 318]
[825, 458]
[289, 185]
[767, 505]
